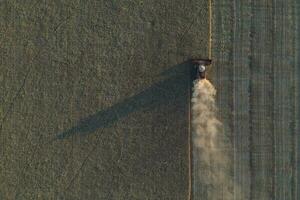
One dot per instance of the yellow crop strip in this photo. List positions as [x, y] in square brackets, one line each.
[210, 29]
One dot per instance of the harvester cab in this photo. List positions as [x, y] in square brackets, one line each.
[201, 67]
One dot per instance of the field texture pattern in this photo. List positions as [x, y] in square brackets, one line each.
[256, 71]
[94, 103]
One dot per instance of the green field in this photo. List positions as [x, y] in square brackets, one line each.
[94, 98]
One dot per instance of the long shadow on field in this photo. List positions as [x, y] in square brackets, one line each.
[171, 91]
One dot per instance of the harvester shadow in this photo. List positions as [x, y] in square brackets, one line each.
[173, 90]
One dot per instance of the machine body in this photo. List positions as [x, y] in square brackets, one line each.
[201, 67]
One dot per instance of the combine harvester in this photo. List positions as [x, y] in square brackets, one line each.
[201, 67]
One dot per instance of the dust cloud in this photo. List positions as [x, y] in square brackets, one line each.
[212, 166]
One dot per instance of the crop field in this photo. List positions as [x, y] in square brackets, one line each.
[256, 72]
[95, 97]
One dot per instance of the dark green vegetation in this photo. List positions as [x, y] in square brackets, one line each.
[93, 99]
[256, 72]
